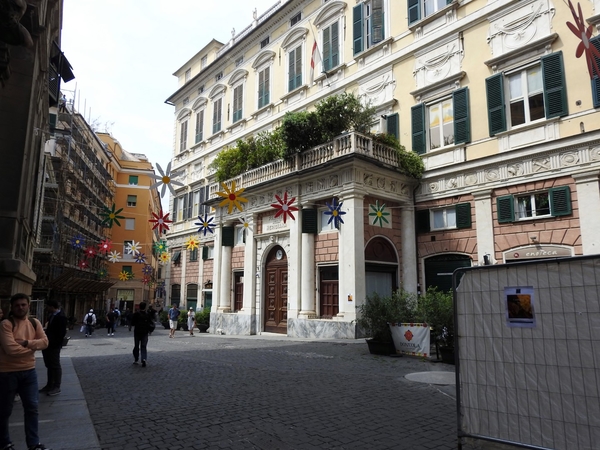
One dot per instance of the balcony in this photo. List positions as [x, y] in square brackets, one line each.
[349, 144]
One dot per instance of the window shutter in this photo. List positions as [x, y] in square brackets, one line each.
[335, 58]
[422, 218]
[417, 113]
[377, 21]
[204, 252]
[393, 125]
[199, 125]
[494, 87]
[462, 128]
[190, 206]
[52, 121]
[228, 236]
[309, 221]
[326, 49]
[298, 67]
[560, 201]
[185, 206]
[291, 71]
[596, 79]
[266, 91]
[506, 209]
[414, 11]
[463, 215]
[201, 200]
[174, 215]
[357, 27]
[555, 90]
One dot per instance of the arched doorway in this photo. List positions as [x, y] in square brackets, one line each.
[438, 270]
[276, 290]
[381, 267]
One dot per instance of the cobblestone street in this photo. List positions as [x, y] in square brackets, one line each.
[258, 392]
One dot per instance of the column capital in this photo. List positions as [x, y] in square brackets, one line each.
[483, 194]
[586, 177]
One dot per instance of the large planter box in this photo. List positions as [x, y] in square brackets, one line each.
[381, 348]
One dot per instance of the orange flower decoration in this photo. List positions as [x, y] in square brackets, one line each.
[231, 197]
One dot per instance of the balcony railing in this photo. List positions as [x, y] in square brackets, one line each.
[347, 144]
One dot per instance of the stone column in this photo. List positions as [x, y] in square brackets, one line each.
[307, 288]
[351, 244]
[588, 197]
[217, 257]
[294, 265]
[485, 225]
[182, 283]
[225, 281]
[250, 269]
[409, 249]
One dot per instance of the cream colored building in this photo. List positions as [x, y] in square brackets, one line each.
[491, 94]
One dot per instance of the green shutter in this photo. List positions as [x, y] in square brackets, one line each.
[506, 209]
[560, 201]
[422, 218]
[414, 11]
[174, 215]
[596, 78]
[298, 67]
[205, 252]
[52, 121]
[357, 27]
[463, 215]
[376, 21]
[228, 236]
[309, 221]
[335, 58]
[462, 128]
[494, 87]
[291, 71]
[393, 125]
[555, 90]
[417, 114]
[326, 49]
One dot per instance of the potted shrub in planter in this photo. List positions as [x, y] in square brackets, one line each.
[203, 320]
[164, 319]
[437, 309]
[182, 321]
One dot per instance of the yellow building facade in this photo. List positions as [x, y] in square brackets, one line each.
[495, 96]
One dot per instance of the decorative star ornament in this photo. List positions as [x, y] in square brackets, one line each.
[246, 224]
[334, 210]
[133, 248]
[83, 264]
[232, 197]
[166, 180]
[140, 258]
[192, 242]
[284, 207]
[205, 224]
[145, 280]
[160, 246]
[584, 34]
[378, 214]
[102, 273]
[114, 256]
[164, 258]
[161, 221]
[90, 251]
[77, 241]
[104, 246]
[110, 216]
[123, 276]
[147, 269]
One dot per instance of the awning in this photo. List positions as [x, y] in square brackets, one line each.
[74, 281]
[176, 257]
[62, 65]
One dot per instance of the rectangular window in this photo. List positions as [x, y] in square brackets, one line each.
[188, 75]
[263, 87]
[441, 124]
[238, 100]
[526, 95]
[217, 111]
[240, 236]
[133, 180]
[194, 255]
[128, 269]
[183, 136]
[179, 211]
[131, 200]
[367, 27]
[199, 125]
[294, 20]
[264, 42]
[551, 203]
[130, 224]
[238, 302]
[295, 68]
[532, 205]
[443, 218]
[324, 226]
[331, 47]
[457, 216]
[126, 254]
[328, 292]
[419, 9]
[196, 203]
[203, 62]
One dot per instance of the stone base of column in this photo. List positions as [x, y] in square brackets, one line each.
[307, 314]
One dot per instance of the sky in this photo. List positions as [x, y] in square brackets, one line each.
[124, 54]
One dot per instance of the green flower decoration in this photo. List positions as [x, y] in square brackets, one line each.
[160, 247]
[378, 214]
[110, 216]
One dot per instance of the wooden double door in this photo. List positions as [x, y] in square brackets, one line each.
[276, 291]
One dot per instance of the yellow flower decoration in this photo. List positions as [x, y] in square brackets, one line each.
[192, 243]
[123, 276]
[164, 258]
[231, 197]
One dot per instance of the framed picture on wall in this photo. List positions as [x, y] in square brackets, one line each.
[519, 303]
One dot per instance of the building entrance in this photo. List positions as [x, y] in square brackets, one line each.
[276, 289]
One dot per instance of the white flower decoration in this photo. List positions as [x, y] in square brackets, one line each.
[114, 256]
[247, 224]
[165, 179]
[133, 248]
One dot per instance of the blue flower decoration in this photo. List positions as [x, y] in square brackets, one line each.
[335, 212]
[205, 224]
[140, 258]
[78, 241]
[147, 269]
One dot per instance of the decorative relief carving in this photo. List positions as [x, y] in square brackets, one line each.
[569, 159]
[434, 187]
[541, 164]
[515, 170]
[451, 183]
[368, 179]
[595, 154]
[321, 184]
[381, 183]
[492, 174]
[471, 179]
[437, 64]
[309, 187]
[333, 181]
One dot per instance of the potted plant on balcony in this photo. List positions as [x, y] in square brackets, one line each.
[203, 320]
[437, 309]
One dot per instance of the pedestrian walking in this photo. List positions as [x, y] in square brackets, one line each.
[173, 316]
[128, 316]
[20, 337]
[89, 321]
[117, 318]
[191, 321]
[110, 323]
[142, 325]
[56, 329]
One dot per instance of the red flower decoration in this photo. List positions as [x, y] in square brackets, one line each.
[584, 34]
[83, 264]
[90, 251]
[105, 246]
[160, 221]
[284, 207]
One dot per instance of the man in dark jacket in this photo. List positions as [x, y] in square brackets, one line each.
[56, 329]
[141, 323]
